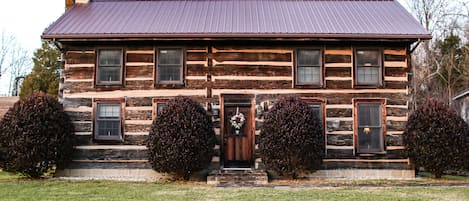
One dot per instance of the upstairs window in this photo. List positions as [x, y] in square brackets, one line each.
[109, 67]
[170, 65]
[368, 69]
[308, 67]
[108, 121]
[370, 128]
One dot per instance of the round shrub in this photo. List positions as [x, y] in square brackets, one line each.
[35, 134]
[181, 138]
[435, 137]
[292, 139]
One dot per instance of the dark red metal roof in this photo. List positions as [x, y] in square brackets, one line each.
[237, 18]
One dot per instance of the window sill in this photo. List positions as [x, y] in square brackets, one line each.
[108, 138]
[369, 154]
[308, 86]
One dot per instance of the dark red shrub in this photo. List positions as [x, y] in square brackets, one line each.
[435, 137]
[181, 138]
[34, 135]
[292, 139]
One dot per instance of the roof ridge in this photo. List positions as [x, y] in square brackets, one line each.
[230, 0]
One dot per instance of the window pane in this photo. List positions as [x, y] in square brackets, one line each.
[109, 74]
[170, 56]
[308, 75]
[309, 57]
[109, 128]
[368, 57]
[109, 111]
[110, 57]
[369, 114]
[317, 110]
[370, 142]
[160, 107]
[367, 75]
[169, 73]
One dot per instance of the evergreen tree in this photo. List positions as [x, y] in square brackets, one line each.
[45, 75]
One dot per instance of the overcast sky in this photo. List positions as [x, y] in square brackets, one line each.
[26, 20]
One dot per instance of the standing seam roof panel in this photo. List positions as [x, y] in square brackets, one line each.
[234, 17]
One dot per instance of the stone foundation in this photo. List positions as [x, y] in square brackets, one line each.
[362, 174]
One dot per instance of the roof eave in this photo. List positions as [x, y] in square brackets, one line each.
[205, 36]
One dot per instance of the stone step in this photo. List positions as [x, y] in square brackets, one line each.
[237, 178]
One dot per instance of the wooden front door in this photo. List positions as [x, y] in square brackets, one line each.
[238, 140]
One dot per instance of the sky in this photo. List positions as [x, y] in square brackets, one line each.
[27, 19]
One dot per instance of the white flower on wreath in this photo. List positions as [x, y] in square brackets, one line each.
[237, 121]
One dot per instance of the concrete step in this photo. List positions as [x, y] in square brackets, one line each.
[237, 178]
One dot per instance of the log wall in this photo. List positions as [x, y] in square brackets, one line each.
[265, 72]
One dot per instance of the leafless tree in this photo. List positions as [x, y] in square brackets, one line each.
[15, 60]
[441, 18]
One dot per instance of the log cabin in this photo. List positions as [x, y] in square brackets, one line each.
[349, 59]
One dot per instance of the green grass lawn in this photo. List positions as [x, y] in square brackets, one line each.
[14, 188]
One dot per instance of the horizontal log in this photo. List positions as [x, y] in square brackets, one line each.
[139, 71]
[339, 140]
[390, 57]
[82, 126]
[338, 112]
[78, 86]
[80, 116]
[253, 63]
[251, 70]
[191, 77]
[196, 70]
[363, 92]
[250, 56]
[79, 73]
[138, 115]
[343, 126]
[147, 58]
[395, 85]
[77, 102]
[244, 50]
[394, 140]
[395, 72]
[396, 101]
[340, 153]
[397, 112]
[138, 84]
[139, 102]
[339, 84]
[136, 128]
[138, 93]
[79, 57]
[196, 56]
[339, 72]
[336, 58]
[231, 77]
[240, 84]
[395, 125]
[140, 51]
